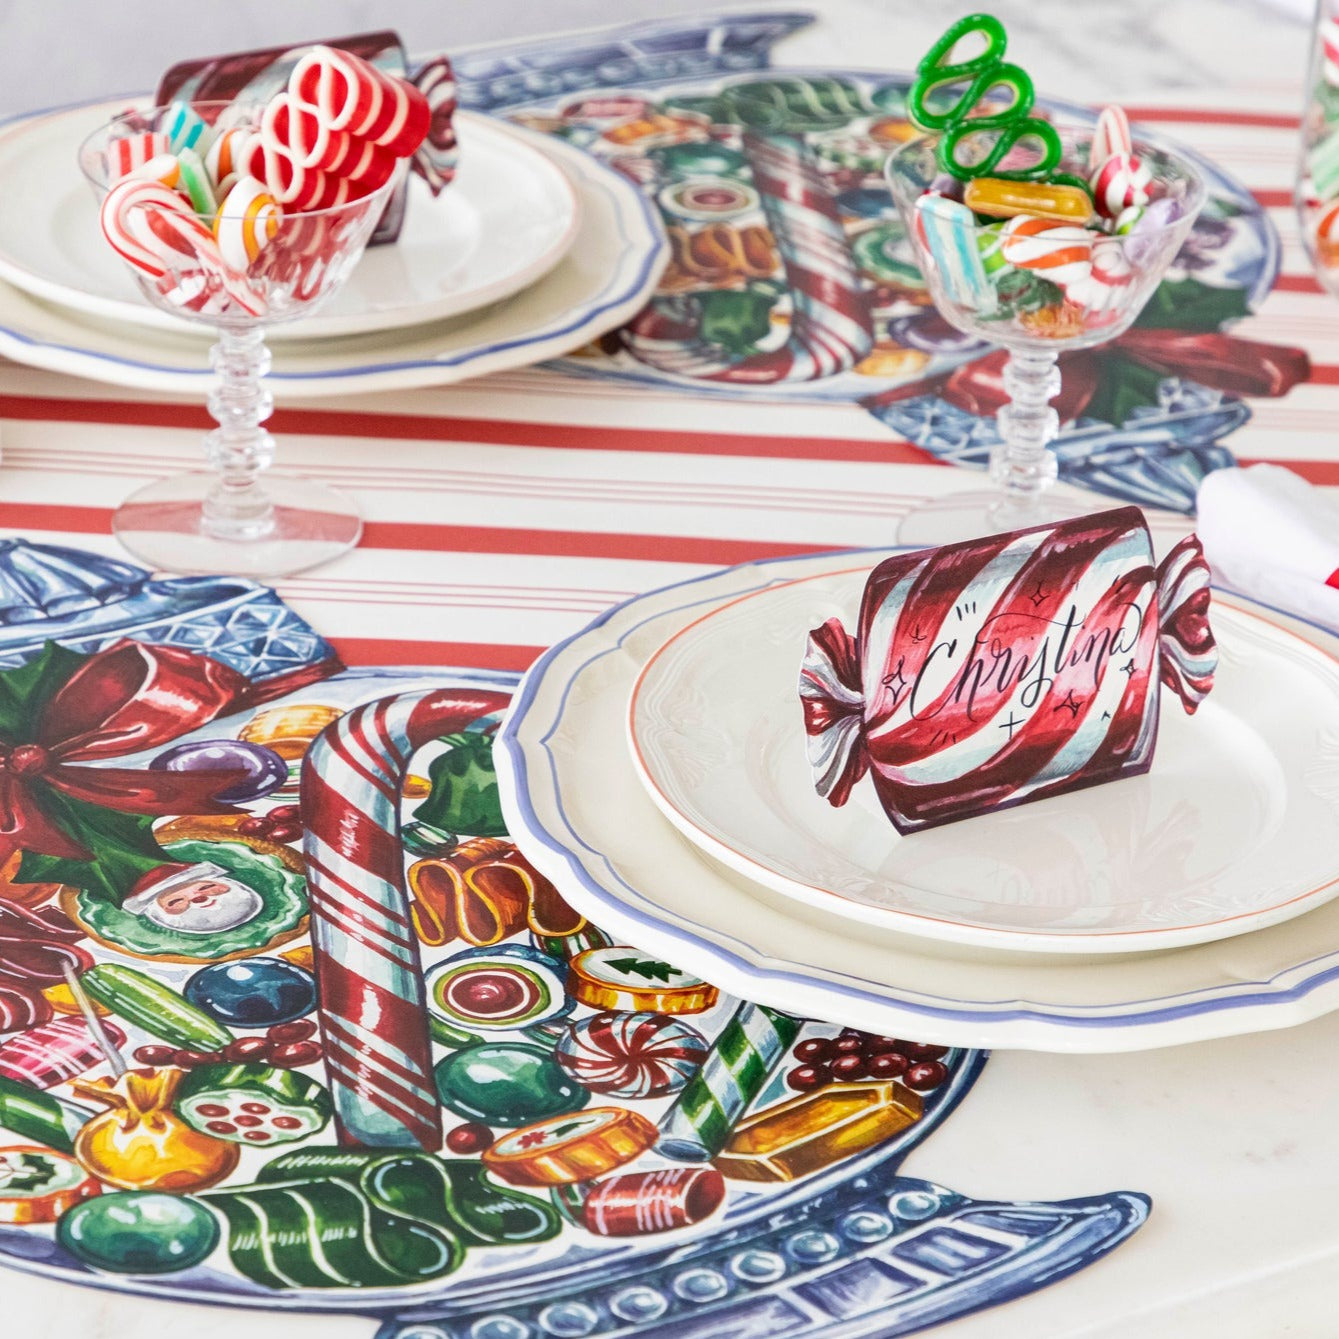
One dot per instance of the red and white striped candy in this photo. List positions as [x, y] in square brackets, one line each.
[1111, 136]
[373, 1007]
[365, 165]
[131, 213]
[129, 152]
[1060, 252]
[53, 1052]
[267, 156]
[1120, 182]
[1105, 292]
[349, 94]
[1329, 45]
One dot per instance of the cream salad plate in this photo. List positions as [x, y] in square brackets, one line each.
[737, 900]
[508, 218]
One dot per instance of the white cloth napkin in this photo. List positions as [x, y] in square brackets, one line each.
[1271, 535]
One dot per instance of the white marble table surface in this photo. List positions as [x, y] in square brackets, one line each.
[1233, 1139]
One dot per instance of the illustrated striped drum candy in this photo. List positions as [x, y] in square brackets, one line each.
[638, 1204]
[1006, 669]
[1060, 252]
[631, 1055]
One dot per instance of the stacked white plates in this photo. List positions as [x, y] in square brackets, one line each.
[533, 250]
[654, 767]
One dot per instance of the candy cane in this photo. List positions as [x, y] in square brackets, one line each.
[830, 328]
[373, 1010]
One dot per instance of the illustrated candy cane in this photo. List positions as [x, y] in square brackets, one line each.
[373, 1008]
[830, 329]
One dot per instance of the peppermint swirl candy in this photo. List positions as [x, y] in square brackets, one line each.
[1060, 252]
[1121, 182]
[631, 1055]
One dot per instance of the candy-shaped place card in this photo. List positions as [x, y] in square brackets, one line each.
[1006, 669]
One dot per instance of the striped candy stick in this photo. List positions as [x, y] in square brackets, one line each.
[373, 1008]
[830, 328]
[748, 1048]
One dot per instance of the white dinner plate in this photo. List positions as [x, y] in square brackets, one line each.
[1231, 830]
[605, 278]
[572, 799]
[508, 217]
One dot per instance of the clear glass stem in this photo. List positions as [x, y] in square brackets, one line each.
[237, 507]
[1021, 465]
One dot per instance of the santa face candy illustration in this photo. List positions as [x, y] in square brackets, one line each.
[1006, 669]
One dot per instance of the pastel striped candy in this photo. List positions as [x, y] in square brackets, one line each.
[1060, 252]
[373, 1005]
[1122, 181]
[949, 230]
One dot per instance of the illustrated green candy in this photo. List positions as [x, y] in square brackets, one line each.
[883, 252]
[159, 1010]
[483, 1212]
[382, 1221]
[490, 1214]
[506, 1083]
[139, 1232]
[464, 796]
[42, 1117]
[699, 160]
[253, 1104]
[737, 320]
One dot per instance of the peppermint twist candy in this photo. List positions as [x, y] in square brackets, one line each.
[1060, 252]
[1106, 290]
[1122, 181]
[631, 1055]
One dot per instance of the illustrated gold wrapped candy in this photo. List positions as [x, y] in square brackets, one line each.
[804, 1134]
[140, 1143]
[290, 729]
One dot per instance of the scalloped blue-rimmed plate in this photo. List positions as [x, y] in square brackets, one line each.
[604, 278]
[572, 798]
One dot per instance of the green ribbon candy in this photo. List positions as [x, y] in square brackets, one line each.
[982, 75]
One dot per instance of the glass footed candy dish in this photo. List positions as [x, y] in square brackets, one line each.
[230, 257]
[1039, 286]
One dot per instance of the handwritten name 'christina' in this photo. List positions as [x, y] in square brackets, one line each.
[994, 667]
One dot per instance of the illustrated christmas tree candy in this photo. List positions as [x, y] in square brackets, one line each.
[38, 1185]
[618, 977]
[806, 1133]
[139, 1232]
[1006, 669]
